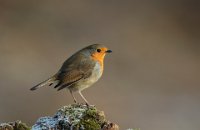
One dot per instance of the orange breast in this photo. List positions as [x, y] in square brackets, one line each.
[99, 57]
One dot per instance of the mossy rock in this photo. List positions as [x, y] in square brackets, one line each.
[71, 117]
[76, 117]
[17, 125]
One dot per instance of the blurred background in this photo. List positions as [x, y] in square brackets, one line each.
[151, 80]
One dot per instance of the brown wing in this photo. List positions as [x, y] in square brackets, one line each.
[72, 72]
[69, 79]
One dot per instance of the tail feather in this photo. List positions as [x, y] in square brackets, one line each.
[49, 82]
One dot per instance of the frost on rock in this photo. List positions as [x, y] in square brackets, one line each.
[75, 117]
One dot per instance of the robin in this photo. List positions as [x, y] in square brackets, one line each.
[79, 71]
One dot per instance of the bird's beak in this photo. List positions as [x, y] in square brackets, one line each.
[108, 51]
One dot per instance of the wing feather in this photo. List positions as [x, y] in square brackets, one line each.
[72, 73]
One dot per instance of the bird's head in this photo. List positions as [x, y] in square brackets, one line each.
[97, 51]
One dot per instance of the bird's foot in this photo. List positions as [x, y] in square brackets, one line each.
[89, 105]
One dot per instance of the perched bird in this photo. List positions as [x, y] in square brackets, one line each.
[79, 71]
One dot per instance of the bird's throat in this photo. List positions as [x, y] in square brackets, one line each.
[99, 58]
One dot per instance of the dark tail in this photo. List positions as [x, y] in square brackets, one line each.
[49, 82]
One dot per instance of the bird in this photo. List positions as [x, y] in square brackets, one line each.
[80, 71]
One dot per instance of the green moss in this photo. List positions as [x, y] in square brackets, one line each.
[90, 124]
[92, 119]
[84, 117]
[21, 126]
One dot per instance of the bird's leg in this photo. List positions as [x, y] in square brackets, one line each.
[87, 103]
[73, 96]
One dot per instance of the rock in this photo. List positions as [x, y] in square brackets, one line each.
[17, 125]
[75, 117]
[71, 117]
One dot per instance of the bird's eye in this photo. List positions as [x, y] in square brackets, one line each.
[98, 50]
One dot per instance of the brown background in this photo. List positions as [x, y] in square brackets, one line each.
[151, 80]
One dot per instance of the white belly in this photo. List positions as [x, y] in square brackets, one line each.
[85, 83]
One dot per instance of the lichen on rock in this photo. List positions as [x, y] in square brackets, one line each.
[71, 117]
[75, 117]
[17, 125]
